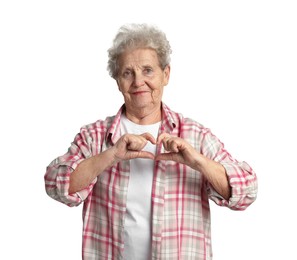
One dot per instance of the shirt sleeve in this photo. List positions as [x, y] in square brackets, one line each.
[242, 178]
[57, 176]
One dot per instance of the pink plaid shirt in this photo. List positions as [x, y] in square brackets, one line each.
[180, 195]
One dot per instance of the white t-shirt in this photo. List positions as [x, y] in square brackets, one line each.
[138, 214]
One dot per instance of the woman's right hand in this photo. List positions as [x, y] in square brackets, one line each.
[130, 146]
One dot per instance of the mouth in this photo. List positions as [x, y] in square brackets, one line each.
[137, 93]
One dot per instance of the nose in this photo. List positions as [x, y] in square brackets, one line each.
[138, 80]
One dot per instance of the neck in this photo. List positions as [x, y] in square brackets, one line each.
[143, 116]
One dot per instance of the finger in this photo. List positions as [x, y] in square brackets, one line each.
[138, 142]
[149, 137]
[170, 143]
[136, 145]
[146, 155]
[173, 146]
[135, 142]
[167, 157]
[163, 136]
[141, 154]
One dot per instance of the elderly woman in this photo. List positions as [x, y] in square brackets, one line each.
[145, 175]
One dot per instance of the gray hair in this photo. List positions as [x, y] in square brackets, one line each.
[135, 36]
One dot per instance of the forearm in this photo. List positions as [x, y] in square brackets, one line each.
[89, 169]
[215, 174]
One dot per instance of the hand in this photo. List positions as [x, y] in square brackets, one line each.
[178, 150]
[130, 146]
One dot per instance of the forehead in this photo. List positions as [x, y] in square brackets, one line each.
[139, 57]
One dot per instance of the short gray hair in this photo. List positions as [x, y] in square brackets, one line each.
[135, 36]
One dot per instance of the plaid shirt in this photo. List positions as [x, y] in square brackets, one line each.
[180, 195]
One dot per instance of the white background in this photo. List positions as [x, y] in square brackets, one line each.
[234, 67]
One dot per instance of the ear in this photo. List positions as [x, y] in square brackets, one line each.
[118, 84]
[166, 74]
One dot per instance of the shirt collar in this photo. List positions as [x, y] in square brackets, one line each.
[167, 125]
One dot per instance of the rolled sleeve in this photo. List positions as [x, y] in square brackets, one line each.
[243, 183]
[57, 181]
[242, 179]
[57, 176]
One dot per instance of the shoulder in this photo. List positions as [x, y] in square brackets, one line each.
[184, 123]
[96, 132]
[98, 126]
[102, 129]
[105, 125]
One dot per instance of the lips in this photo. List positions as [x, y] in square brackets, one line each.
[140, 92]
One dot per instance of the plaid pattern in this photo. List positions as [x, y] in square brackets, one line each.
[180, 195]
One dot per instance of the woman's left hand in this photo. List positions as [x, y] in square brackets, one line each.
[179, 151]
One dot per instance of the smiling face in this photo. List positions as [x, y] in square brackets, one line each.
[141, 81]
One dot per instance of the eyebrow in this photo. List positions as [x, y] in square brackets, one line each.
[147, 66]
[130, 67]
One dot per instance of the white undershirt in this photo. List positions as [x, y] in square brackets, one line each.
[138, 214]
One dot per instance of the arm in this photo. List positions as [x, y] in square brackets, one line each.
[230, 183]
[215, 174]
[58, 172]
[70, 178]
[88, 170]
[127, 147]
[182, 152]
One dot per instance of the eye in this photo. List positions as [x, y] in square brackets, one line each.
[127, 74]
[148, 71]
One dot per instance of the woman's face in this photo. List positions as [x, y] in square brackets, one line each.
[141, 79]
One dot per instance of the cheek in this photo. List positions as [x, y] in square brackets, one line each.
[122, 87]
[157, 93]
